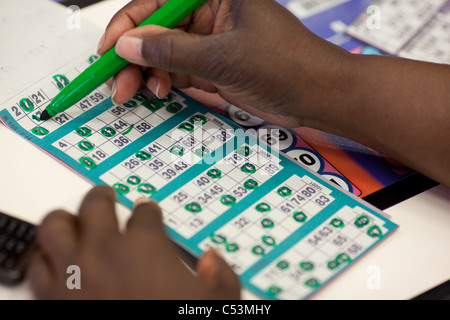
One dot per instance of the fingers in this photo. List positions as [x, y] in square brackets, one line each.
[218, 275]
[159, 82]
[145, 229]
[214, 274]
[57, 238]
[97, 217]
[183, 81]
[57, 241]
[39, 274]
[173, 50]
[125, 84]
[125, 19]
[146, 216]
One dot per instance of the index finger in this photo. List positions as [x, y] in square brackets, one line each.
[127, 18]
[97, 216]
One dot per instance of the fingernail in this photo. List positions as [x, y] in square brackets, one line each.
[100, 43]
[156, 92]
[158, 86]
[113, 92]
[154, 85]
[130, 48]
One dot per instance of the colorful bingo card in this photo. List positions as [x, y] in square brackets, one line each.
[284, 229]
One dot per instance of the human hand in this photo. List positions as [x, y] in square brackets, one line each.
[253, 53]
[140, 263]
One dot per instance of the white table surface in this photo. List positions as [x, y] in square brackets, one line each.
[412, 260]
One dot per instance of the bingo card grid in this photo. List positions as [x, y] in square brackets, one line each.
[282, 170]
[168, 157]
[210, 194]
[313, 260]
[261, 227]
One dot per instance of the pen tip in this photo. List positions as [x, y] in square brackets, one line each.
[44, 115]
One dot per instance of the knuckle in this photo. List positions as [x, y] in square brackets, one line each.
[100, 193]
[158, 51]
[56, 221]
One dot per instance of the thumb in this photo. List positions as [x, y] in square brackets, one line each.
[172, 50]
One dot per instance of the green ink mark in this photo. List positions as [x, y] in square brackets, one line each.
[342, 258]
[86, 145]
[284, 191]
[198, 120]
[26, 104]
[274, 291]
[333, 264]
[134, 180]
[93, 58]
[143, 155]
[108, 132]
[250, 184]
[84, 132]
[248, 168]
[263, 207]
[232, 247]
[312, 283]
[268, 240]
[337, 223]
[228, 200]
[88, 162]
[244, 151]
[147, 188]
[35, 117]
[61, 81]
[121, 188]
[153, 104]
[282, 265]
[214, 173]
[307, 266]
[362, 221]
[374, 231]
[218, 239]
[177, 150]
[185, 126]
[157, 103]
[140, 97]
[202, 152]
[267, 223]
[258, 250]
[168, 98]
[193, 207]
[174, 107]
[40, 131]
[300, 217]
[130, 104]
[128, 130]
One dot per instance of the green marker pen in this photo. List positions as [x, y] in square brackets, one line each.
[169, 15]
